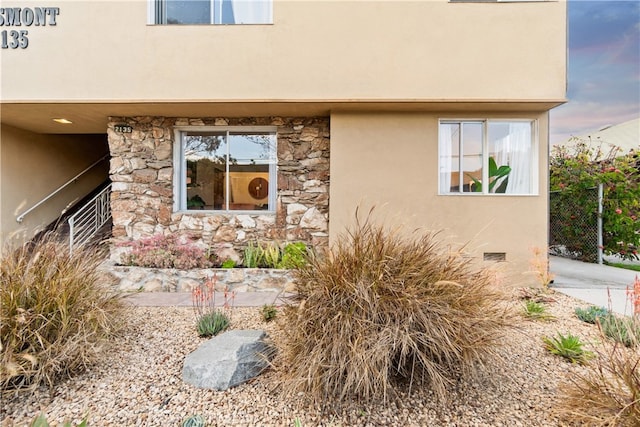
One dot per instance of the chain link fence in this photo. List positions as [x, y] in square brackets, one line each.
[575, 230]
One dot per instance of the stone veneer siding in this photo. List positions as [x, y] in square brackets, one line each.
[141, 172]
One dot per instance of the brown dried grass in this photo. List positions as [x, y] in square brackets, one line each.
[54, 314]
[382, 311]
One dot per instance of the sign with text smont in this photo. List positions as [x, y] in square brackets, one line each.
[19, 17]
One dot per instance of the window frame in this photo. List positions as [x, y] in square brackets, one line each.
[154, 15]
[180, 168]
[534, 160]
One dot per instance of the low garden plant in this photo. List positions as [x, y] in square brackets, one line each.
[41, 421]
[591, 314]
[55, 316]
[170, 251]
[384, 311]
[210, 319]
[569, 347]
[536, 311]
[269, 312]
[622, 329]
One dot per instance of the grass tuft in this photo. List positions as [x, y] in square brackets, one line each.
[54, 314]
[382, 311]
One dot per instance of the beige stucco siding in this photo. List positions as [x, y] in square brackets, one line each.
[314, 50]
[390, 161]
[34, 165]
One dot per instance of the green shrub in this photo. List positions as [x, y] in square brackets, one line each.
[536, 311]
[270, 255]
[211, 324]
[252, 255]
[591, 314]
[607, 394]
[228, 263]
[54, 314]
[625, 330]
[269, 312]
[381, 308]
[194, 421]
[294, 255]
[568, 346]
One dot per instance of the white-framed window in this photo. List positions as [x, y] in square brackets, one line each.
[487, 157]
[225, 169]
[225, 12]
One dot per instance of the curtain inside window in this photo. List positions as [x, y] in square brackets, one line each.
[251, 11]
[514, 150]
[446, 159]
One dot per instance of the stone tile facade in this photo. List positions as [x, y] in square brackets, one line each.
[142, 171]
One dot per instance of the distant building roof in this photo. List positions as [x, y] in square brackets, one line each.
[625, 135]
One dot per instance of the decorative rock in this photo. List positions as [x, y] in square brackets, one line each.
[228, 360]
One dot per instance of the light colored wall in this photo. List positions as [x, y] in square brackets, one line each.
[315, 50]
[34, 165]
[390, 161]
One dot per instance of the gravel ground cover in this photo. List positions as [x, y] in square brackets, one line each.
[138, 383]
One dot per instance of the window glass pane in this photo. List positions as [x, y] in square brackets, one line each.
[509, 159]
[205, 172]
[251, 155]
[188, 11]
[471, 147]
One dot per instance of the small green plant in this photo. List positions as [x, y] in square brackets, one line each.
[41, 421]
[536, 311]
[252, 255]
[591, 314]
[270, 255]
[568, 346]
[297, 423]
[625, 330]
[269, 312]
[294, 255]
[228, 263]
[194, 421]
[211, 320]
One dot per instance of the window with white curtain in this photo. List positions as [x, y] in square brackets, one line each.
[226, 12]
[487, 157]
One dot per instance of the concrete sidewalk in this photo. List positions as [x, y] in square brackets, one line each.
[595, 284]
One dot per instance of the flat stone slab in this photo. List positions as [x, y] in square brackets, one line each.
[228, 359]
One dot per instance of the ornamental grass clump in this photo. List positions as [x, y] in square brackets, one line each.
[55, 315]
[381, 312]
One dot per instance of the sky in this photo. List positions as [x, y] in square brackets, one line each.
[603, 67]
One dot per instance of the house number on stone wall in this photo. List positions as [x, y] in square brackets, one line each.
[123, 128]
[27, 16]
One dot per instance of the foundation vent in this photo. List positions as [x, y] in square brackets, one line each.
[495, 256]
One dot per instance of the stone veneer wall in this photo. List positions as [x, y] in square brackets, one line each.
[142, 191]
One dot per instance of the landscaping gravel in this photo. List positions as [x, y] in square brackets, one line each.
[137, 382]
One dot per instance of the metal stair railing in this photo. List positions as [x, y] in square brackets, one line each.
[85, 223]
[20, 218]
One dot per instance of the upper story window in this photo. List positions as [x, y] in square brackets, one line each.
[487, 157]
[181, 12]
[226, 170]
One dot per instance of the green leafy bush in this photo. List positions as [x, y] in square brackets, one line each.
[591, 314]
[574, 172]
[607, 393]
[383, 311]
[54, 313]
[211, 324]
[270, 255]
[294, 255]
[568, 346]
[228, 263]
[622, 329]
[252, 255]
[169, 251]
